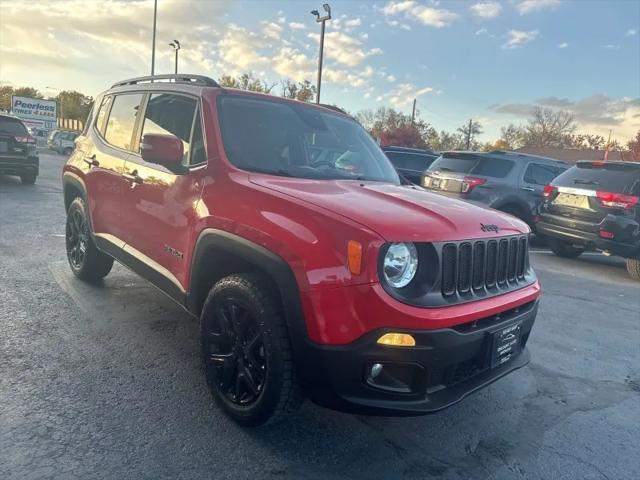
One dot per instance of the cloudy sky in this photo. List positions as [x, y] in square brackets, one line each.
[483, 59]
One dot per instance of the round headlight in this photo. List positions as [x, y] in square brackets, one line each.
[400, 264]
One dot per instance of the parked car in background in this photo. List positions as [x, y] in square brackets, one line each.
[507, 181]
[18, 150]
[64, 142]
[285, 229]
[410, 163]
[594, 205]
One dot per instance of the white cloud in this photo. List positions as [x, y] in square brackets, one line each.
[482, 31]
[563, 45]
[297, 26]
[356, 22]
[393, 8]
[390, 78]
[631, 32]
[517, 38]
[433, 17]
[404, 94]
[344, 48]
[486, 9]
[271, 30]
[529, 6]
[611, 46]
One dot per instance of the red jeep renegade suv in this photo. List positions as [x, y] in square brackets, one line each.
[285, 229]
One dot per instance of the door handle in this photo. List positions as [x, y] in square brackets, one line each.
[91, 161]
[133, 177]
[529, 189]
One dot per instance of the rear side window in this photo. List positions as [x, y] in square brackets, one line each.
[102, 114]
[472, 164]
[169, 114]
[12, 126]
[122, 120]
[539, 174]
[613, 177]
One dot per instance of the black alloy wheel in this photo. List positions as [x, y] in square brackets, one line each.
[236, 355]
[77, 237]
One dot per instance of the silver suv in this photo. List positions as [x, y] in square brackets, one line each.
[507, 181]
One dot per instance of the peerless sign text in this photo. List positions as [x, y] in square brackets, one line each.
[33, 108]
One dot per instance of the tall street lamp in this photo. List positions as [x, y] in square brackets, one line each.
[321, 21]
[176, 46]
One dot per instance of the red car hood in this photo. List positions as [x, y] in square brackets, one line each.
[397, 213]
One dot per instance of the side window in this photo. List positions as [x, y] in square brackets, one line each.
[102, 114]
[538, 174]
[122, 120]
[170, 114]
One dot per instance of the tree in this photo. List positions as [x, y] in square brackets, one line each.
[591, 142]
[448, 141]
[7, 91]
[512, 136]
[395, 128]
[548, 128]
[469, 132]
[303, 91]
[246, 81]
[634, 146]
[73, 105]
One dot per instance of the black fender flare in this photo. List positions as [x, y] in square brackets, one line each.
[263, 259]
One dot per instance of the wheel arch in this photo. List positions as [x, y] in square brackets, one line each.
[72, 187]
[517, 205]
[219, 253]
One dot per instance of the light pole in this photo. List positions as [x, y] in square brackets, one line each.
[321, 21]
[176, 46]
[153, 45]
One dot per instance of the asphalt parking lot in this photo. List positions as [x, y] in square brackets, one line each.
[105, 382]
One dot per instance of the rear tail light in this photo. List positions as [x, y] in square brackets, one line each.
[25, 139]
[617, 200]
[548, 190]
[606, 234]
[469, 183]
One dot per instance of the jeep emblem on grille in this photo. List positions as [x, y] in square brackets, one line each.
[489, 228]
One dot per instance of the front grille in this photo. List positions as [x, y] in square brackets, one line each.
[473, 267]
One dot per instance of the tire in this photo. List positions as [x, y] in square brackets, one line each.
[28, 178]
[633, 267]
[86, 261]
[67, 151]
[246, 351]
[564, 249]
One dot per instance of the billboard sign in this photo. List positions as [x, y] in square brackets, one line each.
[35, 112]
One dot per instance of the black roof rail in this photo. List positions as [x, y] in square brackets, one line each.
[180, 78]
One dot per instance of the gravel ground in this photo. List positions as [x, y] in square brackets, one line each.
[104, 382]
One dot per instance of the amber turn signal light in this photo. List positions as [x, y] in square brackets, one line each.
[354, 257]
[397, 340]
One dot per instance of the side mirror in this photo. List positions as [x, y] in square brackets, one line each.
[166, 150]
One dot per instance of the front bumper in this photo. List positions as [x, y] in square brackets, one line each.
[626, 231]
[19, 165]
[443, 367]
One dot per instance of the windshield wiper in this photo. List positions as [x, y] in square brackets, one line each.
[586, 182]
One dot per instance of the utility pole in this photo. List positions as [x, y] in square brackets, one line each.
[469, 135]
[153, 45]
[606, 148]
[413, 113]
[321, 21]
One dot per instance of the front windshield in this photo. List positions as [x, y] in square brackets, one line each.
[298, 141]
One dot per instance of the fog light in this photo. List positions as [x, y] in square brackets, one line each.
[397, 340]
[376, 368]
